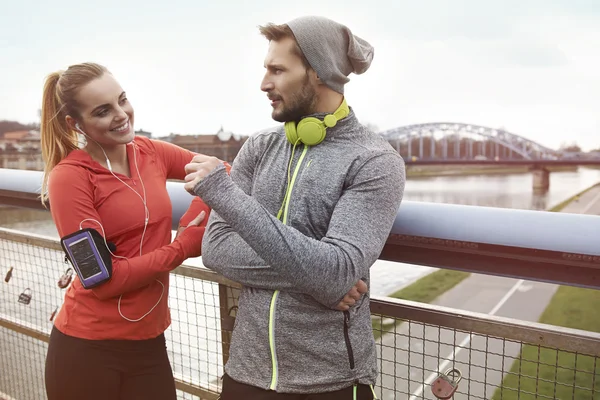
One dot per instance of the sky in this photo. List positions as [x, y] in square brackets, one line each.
[190, 67]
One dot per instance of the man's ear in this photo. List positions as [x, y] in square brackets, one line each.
[314, 77]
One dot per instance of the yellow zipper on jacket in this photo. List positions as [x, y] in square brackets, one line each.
[286, 207]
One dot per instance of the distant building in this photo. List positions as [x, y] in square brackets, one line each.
[21, 139]
[223, 145]
[21, 150]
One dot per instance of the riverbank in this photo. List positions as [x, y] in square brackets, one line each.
[563, 204]
[428, 171]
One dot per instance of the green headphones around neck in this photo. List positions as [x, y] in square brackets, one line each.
[310, 130]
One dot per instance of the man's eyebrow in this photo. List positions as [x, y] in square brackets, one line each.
[106, 105]
[274, 66]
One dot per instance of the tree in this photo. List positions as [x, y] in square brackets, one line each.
[570, 147]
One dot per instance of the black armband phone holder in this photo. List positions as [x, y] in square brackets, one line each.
[87, 251]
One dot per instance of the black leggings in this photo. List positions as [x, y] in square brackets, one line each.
[108, 369]
[233, 390]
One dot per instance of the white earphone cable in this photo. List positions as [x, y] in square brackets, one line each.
[146, 219]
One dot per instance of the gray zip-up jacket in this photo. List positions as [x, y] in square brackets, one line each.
[342, 198]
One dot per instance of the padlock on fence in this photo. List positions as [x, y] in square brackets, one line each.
[8, 275]
[446, 384]
[25, 297]
[65, 279]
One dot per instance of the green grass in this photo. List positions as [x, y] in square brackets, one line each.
[572, 308]
[424, 290]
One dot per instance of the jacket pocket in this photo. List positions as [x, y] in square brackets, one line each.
[347, 339]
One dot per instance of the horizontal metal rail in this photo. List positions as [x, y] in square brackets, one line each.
[535, 245]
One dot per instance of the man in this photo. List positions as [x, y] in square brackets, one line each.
[302, 218]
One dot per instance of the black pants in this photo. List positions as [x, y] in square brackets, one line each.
[233, 390]
[108, 369]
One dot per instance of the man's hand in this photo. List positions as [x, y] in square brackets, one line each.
[198, 169]
[352, 296]
[195, 222]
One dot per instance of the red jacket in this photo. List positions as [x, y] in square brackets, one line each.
[79, 188]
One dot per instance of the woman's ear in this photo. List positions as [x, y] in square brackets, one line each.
[71, 123]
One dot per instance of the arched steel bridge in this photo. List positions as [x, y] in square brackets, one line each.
[450, 140]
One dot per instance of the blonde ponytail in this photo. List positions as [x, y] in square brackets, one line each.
[57, 140]
[58, 101]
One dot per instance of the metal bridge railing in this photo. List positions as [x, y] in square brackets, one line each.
[499, 358]
[195, 341]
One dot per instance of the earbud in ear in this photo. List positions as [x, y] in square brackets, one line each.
[77, 126]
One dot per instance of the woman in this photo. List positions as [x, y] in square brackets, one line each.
[108, 341]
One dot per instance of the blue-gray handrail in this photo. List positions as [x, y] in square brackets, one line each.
[552, 247]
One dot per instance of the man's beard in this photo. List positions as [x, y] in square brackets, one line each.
[298, 105]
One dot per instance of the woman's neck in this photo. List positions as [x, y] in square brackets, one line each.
[116, 154]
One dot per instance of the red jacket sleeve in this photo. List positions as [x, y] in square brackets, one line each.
[71, 201]
[196, 207]
[175, 159]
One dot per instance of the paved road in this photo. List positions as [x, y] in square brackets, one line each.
[506, 297]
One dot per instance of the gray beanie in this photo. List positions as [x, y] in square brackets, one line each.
[331, 49]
